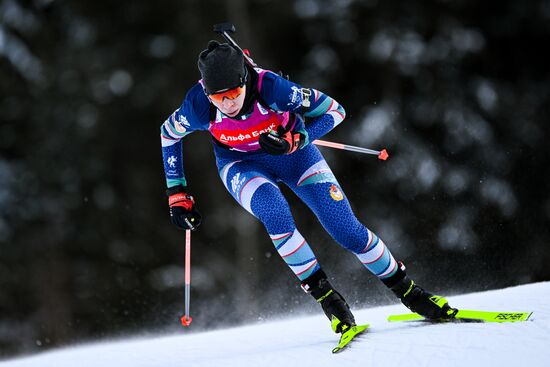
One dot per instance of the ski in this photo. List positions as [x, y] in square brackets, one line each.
[348, 336]
[468, 316]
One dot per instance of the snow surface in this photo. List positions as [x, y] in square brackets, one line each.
[308, 341]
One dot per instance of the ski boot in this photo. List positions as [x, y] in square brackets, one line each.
[417, 299]
[332, 302]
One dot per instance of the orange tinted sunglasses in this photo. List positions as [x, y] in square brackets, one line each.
[230, 94]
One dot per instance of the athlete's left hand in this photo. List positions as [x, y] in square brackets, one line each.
[281, 142]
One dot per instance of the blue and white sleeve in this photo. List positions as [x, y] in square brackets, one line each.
[192, 115]
[323, 112]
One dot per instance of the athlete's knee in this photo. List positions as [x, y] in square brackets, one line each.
[271, 208]
[352, 234]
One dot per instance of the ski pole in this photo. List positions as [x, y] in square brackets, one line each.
[224, 29]
[382, 154]
[186, 319]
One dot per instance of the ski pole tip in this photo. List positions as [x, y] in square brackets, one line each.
[383, 155]
[186, 320]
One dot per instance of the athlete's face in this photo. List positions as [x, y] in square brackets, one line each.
[230, 104]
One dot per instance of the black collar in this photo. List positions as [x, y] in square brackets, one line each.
[252, 94]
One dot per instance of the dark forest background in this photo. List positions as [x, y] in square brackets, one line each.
[456, 90]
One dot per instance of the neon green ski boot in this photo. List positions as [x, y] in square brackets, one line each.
[423, 303]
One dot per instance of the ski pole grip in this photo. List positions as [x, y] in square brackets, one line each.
[224, 27]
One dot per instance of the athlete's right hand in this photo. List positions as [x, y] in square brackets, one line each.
[281, 142]
[183, 213]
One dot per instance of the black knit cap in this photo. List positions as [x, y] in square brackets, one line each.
[221, 67]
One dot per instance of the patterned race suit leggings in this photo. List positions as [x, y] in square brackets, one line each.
[252, 181]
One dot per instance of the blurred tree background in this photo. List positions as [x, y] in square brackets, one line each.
[456, 90]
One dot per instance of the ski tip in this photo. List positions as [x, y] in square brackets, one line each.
[349, 336]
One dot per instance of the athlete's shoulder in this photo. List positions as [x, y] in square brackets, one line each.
[197, 100]
[269, 80]
[195, 108]
[279, 92]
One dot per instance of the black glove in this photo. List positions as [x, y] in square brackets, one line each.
[281, 142]
[183, 213]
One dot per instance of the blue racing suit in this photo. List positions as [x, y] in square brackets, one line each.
[251, 176]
